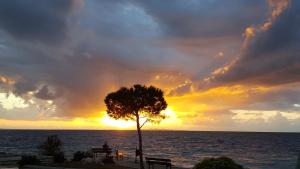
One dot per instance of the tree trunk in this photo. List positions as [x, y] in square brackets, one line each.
[140, 142]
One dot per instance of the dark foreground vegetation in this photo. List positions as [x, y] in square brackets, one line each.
[53, 147]
[218, 163]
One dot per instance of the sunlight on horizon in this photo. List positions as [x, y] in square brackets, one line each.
[121, 124]
[171, 118]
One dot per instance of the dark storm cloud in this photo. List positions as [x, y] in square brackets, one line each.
[23, 87]
[44, 20]
[76, 80]
[46, 94]
[273, 57]
[205, 19]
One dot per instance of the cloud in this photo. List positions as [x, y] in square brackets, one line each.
[10, 101]
[43, 21]
[100, 55]
[272, 56]
[46, 94]
[23, 87]
[77, 74]
[204, 19]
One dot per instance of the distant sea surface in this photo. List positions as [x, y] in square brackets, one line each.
[185, 148]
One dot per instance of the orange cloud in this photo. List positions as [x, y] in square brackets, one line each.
[6, 80]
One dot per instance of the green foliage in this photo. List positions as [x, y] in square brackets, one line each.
[29, 160]
[128, 103]
[52, 146]
[218, 163]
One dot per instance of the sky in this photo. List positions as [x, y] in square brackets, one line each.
[223, 65]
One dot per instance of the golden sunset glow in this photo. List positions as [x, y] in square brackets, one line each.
[198, 108]
[121, 124]
[171, 121]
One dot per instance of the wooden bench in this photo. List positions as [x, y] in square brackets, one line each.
[98, 151]
[159, 161]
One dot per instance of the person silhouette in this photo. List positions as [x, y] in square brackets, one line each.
[117, 154]
[106, 149]
[137, 153]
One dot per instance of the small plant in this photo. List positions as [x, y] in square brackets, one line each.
[29, 160]
[218, 163]
[79, 155]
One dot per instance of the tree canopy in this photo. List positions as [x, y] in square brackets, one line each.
[137, 101]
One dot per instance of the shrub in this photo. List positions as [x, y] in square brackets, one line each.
[51, 146]
[59, 157]
[218, 163]
[88, 154]
[78, 156]
[108, 160]
[28, 160]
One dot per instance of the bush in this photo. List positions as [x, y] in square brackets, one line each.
[29, 160]
[108, 160]
[88, 154]
[59, 157]
[218, 163]
[78, 156]
[51, 146]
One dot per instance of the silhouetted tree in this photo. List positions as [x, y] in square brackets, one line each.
[139, 103]
[52, 146]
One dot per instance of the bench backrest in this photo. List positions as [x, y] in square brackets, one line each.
[100, 150]
[157, 159]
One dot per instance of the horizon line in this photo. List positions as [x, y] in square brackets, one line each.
[158, 130]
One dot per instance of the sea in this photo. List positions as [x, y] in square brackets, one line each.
[253, 150]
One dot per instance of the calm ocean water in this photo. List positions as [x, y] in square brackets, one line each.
[252, 150]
